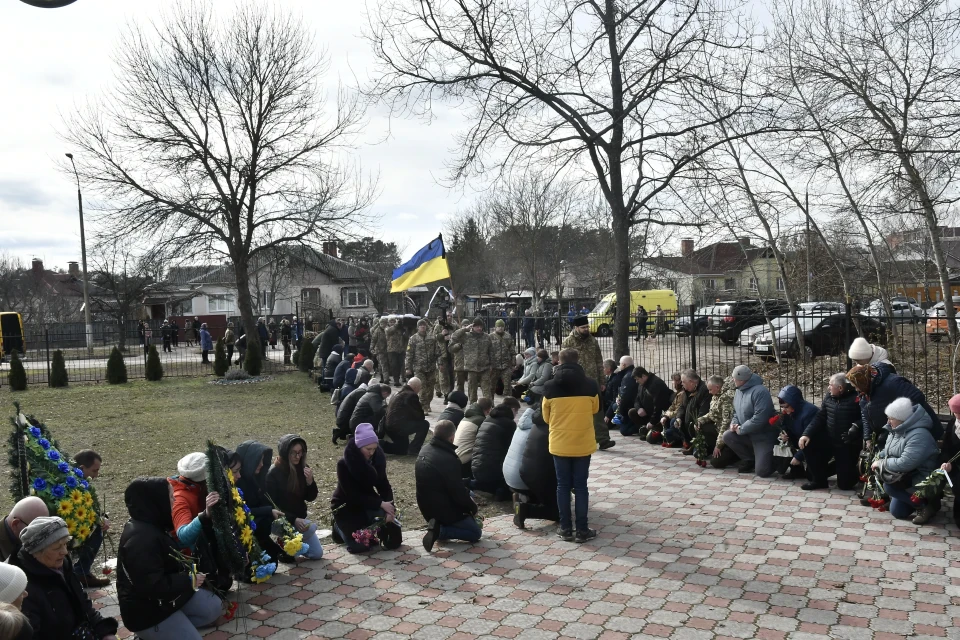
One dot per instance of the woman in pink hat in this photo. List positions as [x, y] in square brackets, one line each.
[950, 448]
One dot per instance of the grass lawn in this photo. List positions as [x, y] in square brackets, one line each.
[143, 428]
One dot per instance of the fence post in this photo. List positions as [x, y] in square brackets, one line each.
[46, 337]
[848, 322]
[693, 336]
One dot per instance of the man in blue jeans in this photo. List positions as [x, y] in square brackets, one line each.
[89, 462]
[442, 495]
[570, 401]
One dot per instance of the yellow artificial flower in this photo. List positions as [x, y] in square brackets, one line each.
[239, 515]
[293, 545]
[83, 531]
[88, 500]
[230, 477]
[76, 496]
[71, 526]
[80, 512]
[65, 507]
[246, 537]
[236, 496]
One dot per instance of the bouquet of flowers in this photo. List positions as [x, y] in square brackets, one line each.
[879, 500]
[931, 487]
[700, 452]
[368, 535]
[288, 537]
[40, 468]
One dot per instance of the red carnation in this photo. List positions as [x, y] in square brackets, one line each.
[915, 499]
[864, 478]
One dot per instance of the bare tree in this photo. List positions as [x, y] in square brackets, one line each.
[215, 140]
[602, 88]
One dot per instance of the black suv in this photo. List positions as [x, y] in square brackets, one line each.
[728, 319]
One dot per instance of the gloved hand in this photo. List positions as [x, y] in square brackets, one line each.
[852, 434]
[617, 420]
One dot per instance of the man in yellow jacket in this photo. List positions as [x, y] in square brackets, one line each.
[570, 401]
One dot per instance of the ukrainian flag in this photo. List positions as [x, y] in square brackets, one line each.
[428, 265]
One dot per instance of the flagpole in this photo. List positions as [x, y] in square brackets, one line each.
[453, 288]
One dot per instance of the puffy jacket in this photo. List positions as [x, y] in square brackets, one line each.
[835, 417]
[353, 380]
[544, 372]
[569, 402]
[328, 339]
[886, 387]
[610, 393]
[477, 349]
[514, 459]
[292, 503]
[752, 407]
[404, 407]
[330, 368]
[422, 353]
[529, 370]
[361, 486]
[626, 393]
[537, 469]
[451, 412]
[151, 584]
[796, 423]
[590, 357]
[370, 407]
[206, 341]
[441, 493]
[340, 373]
[695, 405]
[654, 397]
[911, 448]
[188, 503]
[347, 406]
[502, 350]
[466, 436]
[493, 441]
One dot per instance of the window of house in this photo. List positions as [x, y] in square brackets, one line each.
[266, 299]
[223, 302]
[754, 284]
[780, 285]
[729, 284]
[353, 298]
[310, 296]
[182, 307]
[711, 283]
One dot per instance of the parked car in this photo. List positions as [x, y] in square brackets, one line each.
[731, 318]
[701, 318]
[903, 311]
[821, 308]
[936, 327]
[822, 335]
[749, 335]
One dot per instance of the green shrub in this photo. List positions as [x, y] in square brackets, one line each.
[296, 358]
[18, 375]
[253, 361]
[154, 371]
[220, 363]
[116, 368]
[58, 370]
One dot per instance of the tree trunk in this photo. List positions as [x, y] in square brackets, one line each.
[621, 252]
[242, 274]
[122, 338]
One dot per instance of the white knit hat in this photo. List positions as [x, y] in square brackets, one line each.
[13, 582]
[860, 350]
[193, 466]
[900, 409]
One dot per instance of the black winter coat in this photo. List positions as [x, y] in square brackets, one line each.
[441, 493]
[56, 604]
[451, 412]
[884, 389]
[346, 408]
[151, 584]
[609, 397]
[654, 397]
[536, 467]
[627, 393]
[695, 405]
[370, 408]
[293, 505]
[404, 407]
[340, 373]
[835, 417]
[254, 485]
[329, 339]
[493, 442]
[361, 486]
[330, 366]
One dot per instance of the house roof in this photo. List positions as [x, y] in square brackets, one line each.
[201, 274]
[714, 259]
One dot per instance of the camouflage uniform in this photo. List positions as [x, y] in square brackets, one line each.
[378, 347]
[503, 360]
[422, 361]
[476, 359]
[459, 368]
[718, 419]
[395, 348]
[592, 362]
[444, 356]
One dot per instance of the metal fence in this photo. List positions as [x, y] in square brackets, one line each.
[180, 355]
[921, 354]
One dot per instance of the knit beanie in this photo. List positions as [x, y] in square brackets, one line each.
[860, 350]
[13, 582]
[365, 435]
[478, 321]
[742, 373]
[458, 398]
[900, 409]
[193, 466]
[43, 532]
[499, 323]
[954, 404]
[530, 352]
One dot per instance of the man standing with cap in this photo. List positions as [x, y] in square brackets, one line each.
[477, 351]
[22, 514]
[751, 436]
[592, 362]
[502, 356]
[421, 362]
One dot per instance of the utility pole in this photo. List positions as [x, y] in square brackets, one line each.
[807, 238]
[83, 257]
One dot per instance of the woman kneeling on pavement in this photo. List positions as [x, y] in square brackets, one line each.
[909, 456]
[363, 495]
[290, 485]
[158, 596]
[255, 459]
[951, 448]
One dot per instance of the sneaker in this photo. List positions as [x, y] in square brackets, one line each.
[565, 534]
[642, 433]
[747, 466]
[583, 536]
[335, 535]
[92, 582]
[927, 512]
[812, 486]
[687, 451]
[433, 532]
[794, 472]
[606, 444]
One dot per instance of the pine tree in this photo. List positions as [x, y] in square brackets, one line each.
[18, 375]
[220, 363]
[253, 362]
[116, 368]
[58, 370]
[154, 370]
[306, 351]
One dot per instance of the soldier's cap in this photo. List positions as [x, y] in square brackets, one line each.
[421, 322]
[500, 323]
[465, 323]
[478, 322]
[580, 321]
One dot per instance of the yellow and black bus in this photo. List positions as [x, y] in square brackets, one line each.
[11, 334]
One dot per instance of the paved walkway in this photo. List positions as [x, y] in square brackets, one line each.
[682, 553]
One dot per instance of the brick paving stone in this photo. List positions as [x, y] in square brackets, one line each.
[759, 559]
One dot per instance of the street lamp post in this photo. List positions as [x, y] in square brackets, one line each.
[83, 258]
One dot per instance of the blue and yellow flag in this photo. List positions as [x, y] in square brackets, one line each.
[428, 265]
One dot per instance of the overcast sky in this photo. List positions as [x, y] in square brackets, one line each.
[55, 59]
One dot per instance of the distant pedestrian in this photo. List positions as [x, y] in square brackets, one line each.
[286, 339]
[147, 337]
[229, 340]
[175, 332]
[641, 320]
[660, 323]
[206, 343]
[166, 336]
[263, 334]
[196, 329]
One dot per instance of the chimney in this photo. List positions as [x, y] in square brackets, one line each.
[686, 247]
[73, 268]
[744, 241]
[37, 266]
[330, 248]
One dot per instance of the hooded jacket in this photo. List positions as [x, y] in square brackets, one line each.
[333, 360]
[340, 373]
[466, 436]
[753, 408]
[441, 493]
[529, 370]
[151, 585]
[796, 423]
[347, 406]
[886, 387]
[911, 448]
[293, 505]
[514, 459]
[544, 372]
[537, 469]
[626, 393]
[493, 441]
[361, 486]
[569, 402]
[253, 484]
[370, 407]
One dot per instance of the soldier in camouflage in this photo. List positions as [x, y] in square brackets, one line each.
[456, 348]
[378, 347]
[592, 363]
[422, 362]
[442, 333]
[477, 360]
[718, 419]
[502, 357]
[396, 345]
